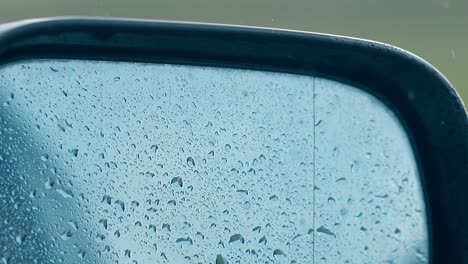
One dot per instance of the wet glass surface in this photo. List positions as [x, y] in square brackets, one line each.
[105, 162]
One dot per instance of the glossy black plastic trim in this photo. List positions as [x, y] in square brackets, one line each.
[429, 107]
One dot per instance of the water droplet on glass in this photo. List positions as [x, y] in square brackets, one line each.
[221, 260]
[325, 231]
[45, 157]
[121, 204]
[177, 181]
[32, 194]
[65, 193]
[190, 162]
[73, 224]
[20, 238]
[243, 191]
[103, 222]
[66, 235]
[107, 199]
[278, 253]
[184, 241]
[49, 183]
[166, 227]
[154, 148]
[236, 239]
[81, 253]
[273, 198]
[74, 152]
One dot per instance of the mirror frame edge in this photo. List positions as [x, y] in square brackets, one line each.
[411, 87]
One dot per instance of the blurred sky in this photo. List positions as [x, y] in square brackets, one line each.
[436, 30]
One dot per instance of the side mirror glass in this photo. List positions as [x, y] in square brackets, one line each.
[111, 161]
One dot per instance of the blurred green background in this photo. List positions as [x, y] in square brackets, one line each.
[436, 30]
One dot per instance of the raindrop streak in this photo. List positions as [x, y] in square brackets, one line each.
[65, 193]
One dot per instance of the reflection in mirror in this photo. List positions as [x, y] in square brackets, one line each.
[104, 162]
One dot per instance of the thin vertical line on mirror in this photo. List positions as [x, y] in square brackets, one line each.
[313, 169]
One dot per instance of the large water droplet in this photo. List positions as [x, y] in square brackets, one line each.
[74, 152]
[66, 235]
[278, 253]
[190, 162]
[103, 222]
[81, 253]
[221, 260]
[236, 239]
[184, 241]
[325, 231]
[20, 238]
[177, 181]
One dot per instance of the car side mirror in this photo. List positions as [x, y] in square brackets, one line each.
[152, 141]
